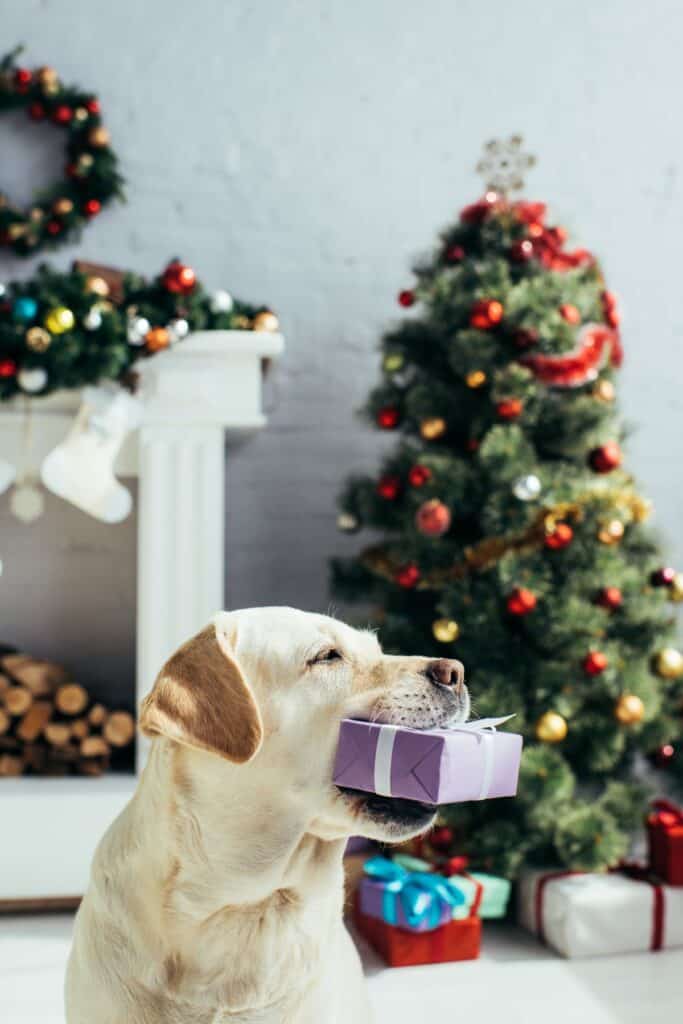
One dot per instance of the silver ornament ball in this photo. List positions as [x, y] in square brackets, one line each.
[137, 329]
[92, 320]
[347, 523]
[221, 302]
[527, 488]
[178, 329]
[32, 380]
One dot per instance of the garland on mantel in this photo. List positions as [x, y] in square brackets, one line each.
[69, 329]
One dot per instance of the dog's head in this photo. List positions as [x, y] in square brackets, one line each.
[266, 689]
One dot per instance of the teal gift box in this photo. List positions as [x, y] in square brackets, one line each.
[418, 901]
[492, 892]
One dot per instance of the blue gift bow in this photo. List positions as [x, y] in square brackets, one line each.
[421, 895]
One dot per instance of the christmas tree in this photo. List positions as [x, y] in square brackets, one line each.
[513, 537]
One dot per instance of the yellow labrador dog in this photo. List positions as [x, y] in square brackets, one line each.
[217, 894]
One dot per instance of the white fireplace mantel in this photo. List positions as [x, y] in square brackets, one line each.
[195, 395]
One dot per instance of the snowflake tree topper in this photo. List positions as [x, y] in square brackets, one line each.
[503, 165]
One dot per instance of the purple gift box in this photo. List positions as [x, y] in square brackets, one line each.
[470, 761]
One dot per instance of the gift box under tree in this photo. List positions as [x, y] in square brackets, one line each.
[665, 834]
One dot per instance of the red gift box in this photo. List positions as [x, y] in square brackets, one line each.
[457, 940]
[665, 833]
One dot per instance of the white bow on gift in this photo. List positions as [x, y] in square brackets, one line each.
[81, 469]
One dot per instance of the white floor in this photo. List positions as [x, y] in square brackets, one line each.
[516, 981]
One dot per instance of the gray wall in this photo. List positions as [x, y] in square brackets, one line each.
[302, 153]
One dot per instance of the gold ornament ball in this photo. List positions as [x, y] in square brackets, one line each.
[36, 214]
[47, 76]
[393, 362]
[551, 727]
[38, 339]
[81, 114]
[604, 391]
[641, 509]
[99, 136]
[612, 532]
[676, 589]
[59, 320]
[266, 321]
[629, 709]
[433, 428]
[669, 663]
[16, 230]
[85, 161]
[62, 206]
[475, 379]
[96, 285]
[445, 630]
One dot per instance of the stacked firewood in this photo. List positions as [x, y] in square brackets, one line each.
[50, 726]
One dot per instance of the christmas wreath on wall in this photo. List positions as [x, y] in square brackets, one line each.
[91, 177]
[70, 329]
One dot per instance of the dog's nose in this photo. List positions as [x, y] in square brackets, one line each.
[447, 672]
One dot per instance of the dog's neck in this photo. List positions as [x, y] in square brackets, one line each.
[238, 844]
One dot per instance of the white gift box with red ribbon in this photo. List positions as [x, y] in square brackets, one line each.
[601, 914]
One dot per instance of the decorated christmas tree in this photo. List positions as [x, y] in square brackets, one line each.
[513, 536]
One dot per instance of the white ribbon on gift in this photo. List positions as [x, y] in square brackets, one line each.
[483, 729]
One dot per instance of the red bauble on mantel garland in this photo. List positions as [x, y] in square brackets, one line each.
[178, 278]
[389, 487]
[388, 417]
[594, 663]
[408, 576]
[520, 602]
[486, 313]
[419, 475]
[433, 518]
[605, 458]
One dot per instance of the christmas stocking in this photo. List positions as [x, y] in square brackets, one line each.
[81, 468]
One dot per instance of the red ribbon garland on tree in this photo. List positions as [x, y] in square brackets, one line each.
[582, 364]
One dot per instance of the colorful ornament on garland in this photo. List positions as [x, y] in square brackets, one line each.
[669, 663]
[38, 339]
[604, 391]
[521, 602]
[221, 302]
[454, 254]
[156, 339]
[475, 379]
[433, 518]
[486, 314]
[59, 320]
[25, 309]
[266, 321]
[388, 417]
[393, 362]
[32, 380]
[595, 663]
[522, 251]
[446, 631]
[433, 428]
[573, 369]
[408, 576]
[611, 533]
[605, 458]
[663, 757]
[406, 298]
[663, 577]
[551, 727]
[137, 329]
[347, 523]
[419, 475]
[676, 589]
[178, 278]
[629, 709]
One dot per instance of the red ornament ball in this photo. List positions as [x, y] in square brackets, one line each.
[53, 227]
[22, 79]
[525, 337]
[178, 278]
[521, 601]
[36, 111]
[8, 368]
[419, 475]
[389, 487]
[605, 458]
[570, 313]
[454, 254]
[594, 663]
[92, 207]
[663, 577]
[441, 838]
[664, 755]
[406, 298]
[610, 598]
[93, 105]
[522, 252]
[388, 417]
[509, 408]
[560, 537]
[408, 576]
[433, 518]
[62, 114]
[486, 313]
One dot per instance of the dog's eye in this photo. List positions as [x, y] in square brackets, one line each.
[331, 654]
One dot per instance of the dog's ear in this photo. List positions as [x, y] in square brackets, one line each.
[200, 698]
